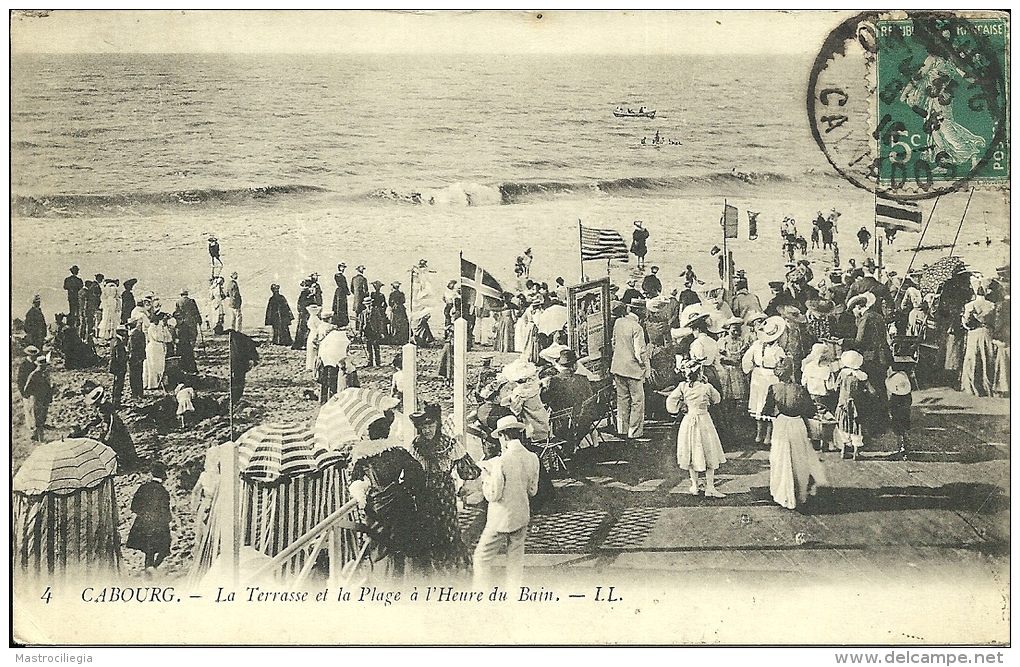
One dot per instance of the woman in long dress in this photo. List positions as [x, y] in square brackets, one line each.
[216, 313]
[793, 463]
[732, 347]
[503, 341]
[760, 361]
[400, 326]
[110, 302]
[698, 448]
[441, 456]
[315, 324]
[978, 367]
[157, 335]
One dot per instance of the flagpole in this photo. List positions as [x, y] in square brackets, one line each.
[924, 231]
[410, 308]
[962, 218]
[580, 241]
[726, 261]
[460, 289]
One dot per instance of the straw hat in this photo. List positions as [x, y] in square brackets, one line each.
[731, 322]
[898, 384]
[772, 328]
[754, 316]
[313, 308]
[95, 396]
[851, 359]
[506, 424]
[430, 412]
[867, 299]
[377, 283]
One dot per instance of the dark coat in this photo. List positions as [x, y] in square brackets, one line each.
[127, 300]
[150, 532]
[243, 353]
[395, 498]
[35, 326]
[278, 312]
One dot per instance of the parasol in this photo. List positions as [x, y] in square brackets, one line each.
[271, 451]
[551, 319]
[333, 348]
[65, 466]
[936, 275]
[344, 419]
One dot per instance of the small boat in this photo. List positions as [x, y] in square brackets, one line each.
[620, 113]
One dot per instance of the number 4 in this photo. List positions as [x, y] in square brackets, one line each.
[46, 595]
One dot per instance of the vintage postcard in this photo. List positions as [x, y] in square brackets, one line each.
[511, 327]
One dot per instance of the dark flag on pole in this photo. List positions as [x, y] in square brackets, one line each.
[478, 287]
[891, 214]
[752, 225]
[730, 222]
[602, 244]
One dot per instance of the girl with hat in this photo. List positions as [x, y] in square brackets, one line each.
[900, 399]
[732, 347]
[760, 362]
[698, 448]
[441, 456]
[793, 464]
[852, 388]
[819, 376]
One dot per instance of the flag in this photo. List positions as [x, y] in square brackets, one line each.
[730, 221]
[752, 225]
[892, 214]
[602, 244]
[478, 287]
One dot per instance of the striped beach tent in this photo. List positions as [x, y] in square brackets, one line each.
[271, 451]
[344, 419]
[65, 509]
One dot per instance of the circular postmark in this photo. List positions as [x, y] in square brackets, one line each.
[911, 105]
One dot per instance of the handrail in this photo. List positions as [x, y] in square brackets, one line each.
[305, 539]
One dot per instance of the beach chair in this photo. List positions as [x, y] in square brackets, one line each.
[552, 448]
[905, 353]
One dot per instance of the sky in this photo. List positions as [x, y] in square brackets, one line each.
[511, 32]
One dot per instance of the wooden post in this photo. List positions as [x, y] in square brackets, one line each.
[409, 387]
[230, 547]
[460, 331]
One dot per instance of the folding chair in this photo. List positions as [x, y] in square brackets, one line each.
[551, 455]
[905, 353]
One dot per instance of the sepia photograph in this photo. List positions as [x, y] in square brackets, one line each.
[515, 328]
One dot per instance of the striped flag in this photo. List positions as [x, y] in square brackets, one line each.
[602, 244]
[478, 286]
[892, 214]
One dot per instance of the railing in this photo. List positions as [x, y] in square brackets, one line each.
[326, 532]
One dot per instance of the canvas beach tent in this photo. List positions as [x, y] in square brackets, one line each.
[64, 515]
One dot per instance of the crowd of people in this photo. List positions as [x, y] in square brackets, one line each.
[828, 361]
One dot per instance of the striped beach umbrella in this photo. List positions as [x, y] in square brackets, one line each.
[271, 451]
[344, 419]
[65, 466]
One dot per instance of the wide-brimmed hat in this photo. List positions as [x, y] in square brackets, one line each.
[377, 283]
[754, 316]
[95, 396]
[691, 315]
[506, 424]
[776, 284]
[341, 265]
[772, 328]
[359, 267]
[851, 359]
[632, 282]
[429, 412]
[313, 308]
[792, 313]
[31, 351]
[898, 384]
[395, 284]
[820, 307]
[519, 370]
[638, 223]
[731, 322]
[867, 298]
[567, 357]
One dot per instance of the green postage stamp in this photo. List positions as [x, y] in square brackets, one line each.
[942, 105]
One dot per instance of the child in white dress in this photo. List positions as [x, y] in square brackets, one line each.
[698, 448]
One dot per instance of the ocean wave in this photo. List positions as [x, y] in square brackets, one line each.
[82, 206]
[518, 192]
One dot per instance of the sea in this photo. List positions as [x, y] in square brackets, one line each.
[297, 162]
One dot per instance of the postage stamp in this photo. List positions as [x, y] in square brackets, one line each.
[933, 117]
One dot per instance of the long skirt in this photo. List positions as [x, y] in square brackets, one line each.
[954, 352]
[281, 334]
[1000, 384]
[848, 419]
[697, 443]
[155, 364]
[504, 338]
[110, 321]
[733, 383]
[400, 328]
[978, 367]
[761, 380]
[301, 333]
[793, 463]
